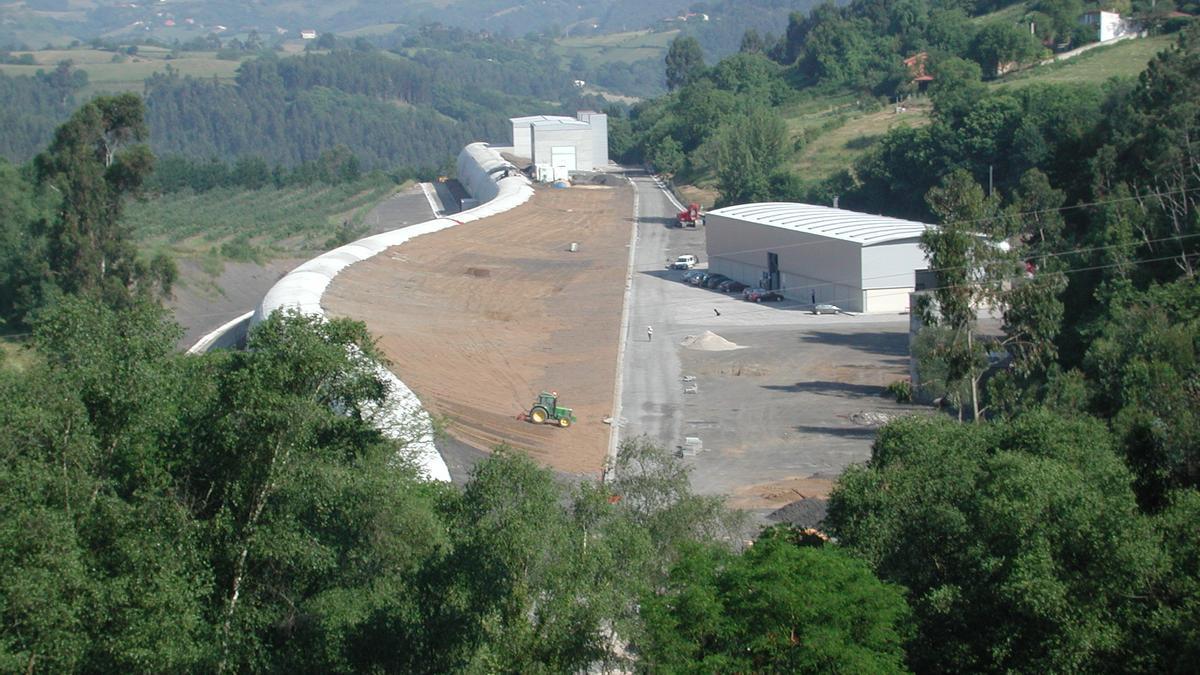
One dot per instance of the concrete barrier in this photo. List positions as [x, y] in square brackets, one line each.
[401, 417]
[231, 335]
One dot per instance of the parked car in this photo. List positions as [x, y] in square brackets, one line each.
[692, 276]
[760, 295]
[731, 286]
[684, 262]
[699, 278]
[826, 309]
[714, 280]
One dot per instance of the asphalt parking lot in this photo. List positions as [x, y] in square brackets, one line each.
[779, 417]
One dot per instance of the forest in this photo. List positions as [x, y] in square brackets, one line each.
[391, 111]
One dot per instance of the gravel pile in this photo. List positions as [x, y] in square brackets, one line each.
[709, 341]
[801, 513]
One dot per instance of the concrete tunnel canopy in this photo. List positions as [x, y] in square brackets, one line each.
[401, 416]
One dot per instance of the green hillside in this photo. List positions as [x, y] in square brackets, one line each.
[239, 224]
[830, 132]
[617, 47]
[126, 72]
[1123, 59]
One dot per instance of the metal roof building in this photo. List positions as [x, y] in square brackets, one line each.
[577, 143]
[857, 261]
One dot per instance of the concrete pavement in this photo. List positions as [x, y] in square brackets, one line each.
[776, 416]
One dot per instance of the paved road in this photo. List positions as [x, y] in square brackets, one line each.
[652, 394]
[775, 415]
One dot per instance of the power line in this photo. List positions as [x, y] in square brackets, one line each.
[979, 220]
[834, 300]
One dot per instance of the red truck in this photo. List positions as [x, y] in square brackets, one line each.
[691, 217]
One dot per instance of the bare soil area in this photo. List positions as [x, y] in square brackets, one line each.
[479, 318]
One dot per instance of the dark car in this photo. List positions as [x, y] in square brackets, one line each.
[732, 286]
[714, 280]
[693, 276]
[760, 295]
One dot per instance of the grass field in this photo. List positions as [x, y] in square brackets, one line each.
[1010, 14]
[831, 132]
[377, 29]
[14, 356]
[622, 47]
[839, 147]
[258, 225]
[1124, 59]
[105, 76]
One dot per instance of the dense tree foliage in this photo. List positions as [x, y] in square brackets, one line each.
[239, 511]
[33, 107]
[95, 162]
[386, 110]
[1020, 543]
[685, 62]
[778, 607]
[62, 232]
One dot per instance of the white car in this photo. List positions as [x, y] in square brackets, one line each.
[684, 262]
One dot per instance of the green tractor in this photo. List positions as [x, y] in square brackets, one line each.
[547, 410]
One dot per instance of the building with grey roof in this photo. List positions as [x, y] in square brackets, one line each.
[857, 261]
[577, 143]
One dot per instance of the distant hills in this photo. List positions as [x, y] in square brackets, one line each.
[34, 23]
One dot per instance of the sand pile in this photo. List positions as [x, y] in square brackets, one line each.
[709, 341]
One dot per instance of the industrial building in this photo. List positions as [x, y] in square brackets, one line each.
[565, 143]
[856, 261]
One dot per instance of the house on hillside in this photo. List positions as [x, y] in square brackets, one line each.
[919, 76]
[1108, 25]
[308, 35]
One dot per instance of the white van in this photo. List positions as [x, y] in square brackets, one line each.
[684, 262]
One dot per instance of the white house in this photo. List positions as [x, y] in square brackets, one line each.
[1108, 25]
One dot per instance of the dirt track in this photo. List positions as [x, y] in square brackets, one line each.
[479, 318]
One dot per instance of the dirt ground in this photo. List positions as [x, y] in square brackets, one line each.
[479, 318]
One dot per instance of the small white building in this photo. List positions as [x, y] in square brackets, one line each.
[1108, 25]
[572, 144]
[308, 35]
[856, 261]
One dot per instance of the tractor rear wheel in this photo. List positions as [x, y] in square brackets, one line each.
[564, 422]
[538, 415]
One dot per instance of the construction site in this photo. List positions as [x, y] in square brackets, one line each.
[480, 318]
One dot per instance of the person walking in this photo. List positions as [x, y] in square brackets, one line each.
[649, 333]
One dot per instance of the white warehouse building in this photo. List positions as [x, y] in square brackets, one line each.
[856, 261]
[574, 144]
